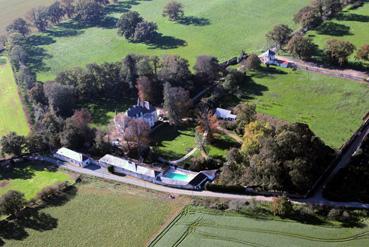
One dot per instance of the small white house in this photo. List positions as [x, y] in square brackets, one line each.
[225, 114]
[71, 156]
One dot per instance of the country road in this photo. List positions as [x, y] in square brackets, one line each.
[355, 75]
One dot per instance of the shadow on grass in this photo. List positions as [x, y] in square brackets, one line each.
[25, 170]
[333, 29]
[352, 17]
[164, 42]
[223, 144]
[193, 20]
[100, 108]
[32, 218]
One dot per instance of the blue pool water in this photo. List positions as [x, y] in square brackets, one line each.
[177, 176]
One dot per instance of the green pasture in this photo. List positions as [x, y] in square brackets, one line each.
[217, 229]
[351, 25]
[221, 28]
[30, 178]
[332, 107]
[12, 116]
[98, 213]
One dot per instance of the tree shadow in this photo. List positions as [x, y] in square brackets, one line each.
[333, 29]
[15, 229]
[164, 42]
[100, 108]
[222, 143]
[63, 32]
[25, 170]
[37, 55]
[352, 17]
[37, 40]
[33, 218]
[193, 20]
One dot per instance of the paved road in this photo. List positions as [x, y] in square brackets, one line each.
[103, 173]
[342, 163]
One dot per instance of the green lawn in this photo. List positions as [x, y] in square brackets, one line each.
[332, 107]
[351, 25]
[215, 27]
[30, 178]
[216, 229]
[17, 8]
[174, 143]
[12, 116]
[103, 214]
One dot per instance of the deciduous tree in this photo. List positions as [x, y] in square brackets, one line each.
[338, 51]
[174, 10]
[19, 25]
[279, 35]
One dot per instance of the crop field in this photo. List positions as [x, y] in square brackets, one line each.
[351, 25]
[12, 116]
[10, 10]
[213, 229]
[332, 107]
[30, 178]
[100, 213]
[221, 28]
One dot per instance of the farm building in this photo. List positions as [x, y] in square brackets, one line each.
[71, 156]
[269, 58]
[224, 114]
[127, 167]
[143, 110]
[168, 176]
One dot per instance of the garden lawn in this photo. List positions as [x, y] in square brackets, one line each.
[214, 228]
[30, 178]
[12, 116]
[105, 214]
[17, 8]
[351, 25]
[221, 28]
[332, 107]
[175, 143]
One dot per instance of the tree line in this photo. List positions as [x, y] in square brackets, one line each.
[285, 157]
[311, 17]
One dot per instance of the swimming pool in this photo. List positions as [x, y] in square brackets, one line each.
[177, 176]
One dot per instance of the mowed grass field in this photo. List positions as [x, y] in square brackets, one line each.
[216, 229]
[221, 28]
[12, 116]
[30, 178]
[104, 214]
[332, 107]
[352, 25]
[10, 10]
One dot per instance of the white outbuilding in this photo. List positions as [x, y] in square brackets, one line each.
[224, 114]
[71, 156]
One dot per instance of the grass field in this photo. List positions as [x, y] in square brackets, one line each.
[351, 25]
[17, 8]
[215, 27]
[103, 214]
[30, 178]
[216, 229]
[332, 107]
[174, 143]
[12, 116]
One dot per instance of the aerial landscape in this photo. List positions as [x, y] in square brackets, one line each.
[184, 123]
